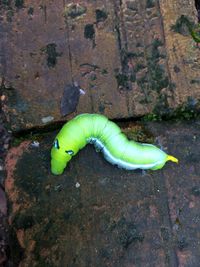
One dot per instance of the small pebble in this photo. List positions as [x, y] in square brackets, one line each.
[6, 146]
[175, 227]
[82, 92]
[47, 119]
[3, 97]
[58, 187]
[35, 144]
[77, 185]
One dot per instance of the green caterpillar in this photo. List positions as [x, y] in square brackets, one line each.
[107, 138]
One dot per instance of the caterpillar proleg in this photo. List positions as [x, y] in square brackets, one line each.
[107, 138]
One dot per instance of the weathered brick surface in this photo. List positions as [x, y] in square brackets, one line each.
[55, 45]
[122, 53]
[183, 53]
[144, 58]
[98, 215]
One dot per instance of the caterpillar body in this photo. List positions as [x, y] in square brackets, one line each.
[107, 138]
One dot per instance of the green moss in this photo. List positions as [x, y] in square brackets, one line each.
[185, 26]
[188, 111]
[93, 77]
[157, 77]
[9, 15]
[89, 32]
[143, 101]
[196, 191]
[163, 55]
[52, 54]
[101, 108]
[139, 67]
[19, 3]
[154, 50]
[104, 71]
[165, 233]
[6, 5]
[172, 85]
[152, 117]
[133, 77]
[74, 11]
[17, 141]
[6, 2]
[182, 243]
[128, 54]
[125, 56]
[157, 42]
[122, 80]
[105, 253]
[195, 81]
[183, 113]
[150, 3]
[138, 133]
[181, 25]
[34, 134]
[129, 235]
[139, 44]
[161, 107]
[127, 75]
[141, 81]
[101, 15]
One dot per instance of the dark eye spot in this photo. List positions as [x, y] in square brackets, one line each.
[70, 152]
[56, 144]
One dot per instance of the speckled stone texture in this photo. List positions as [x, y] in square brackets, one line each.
[123, 54]
[98, 215]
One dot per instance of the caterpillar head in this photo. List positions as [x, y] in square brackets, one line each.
[59, 157]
